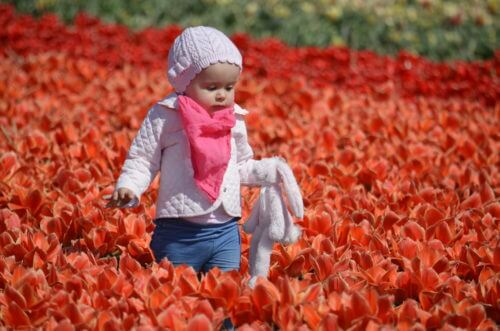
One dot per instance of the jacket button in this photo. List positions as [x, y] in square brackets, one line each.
[224, 190]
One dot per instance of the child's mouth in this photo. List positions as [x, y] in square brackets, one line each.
[217, 108]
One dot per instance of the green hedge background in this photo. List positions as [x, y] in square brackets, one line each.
[437, 29]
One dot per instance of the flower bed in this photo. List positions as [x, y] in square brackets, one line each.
[437, 29]
[397, 159]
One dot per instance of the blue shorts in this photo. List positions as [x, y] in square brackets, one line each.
[202, 246]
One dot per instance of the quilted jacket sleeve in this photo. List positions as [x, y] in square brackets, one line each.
[144, 156]
[252, 172]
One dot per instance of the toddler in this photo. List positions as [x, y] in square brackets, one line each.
[197, 139]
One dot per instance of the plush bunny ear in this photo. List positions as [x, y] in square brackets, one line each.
[292, 231]
[292, 189]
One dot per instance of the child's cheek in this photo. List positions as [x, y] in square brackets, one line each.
[208, 97]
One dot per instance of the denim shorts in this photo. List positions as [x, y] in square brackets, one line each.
[202, 246]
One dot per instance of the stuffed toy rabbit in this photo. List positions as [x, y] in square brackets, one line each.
[270, 221]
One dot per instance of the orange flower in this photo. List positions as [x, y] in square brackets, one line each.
[398, 175]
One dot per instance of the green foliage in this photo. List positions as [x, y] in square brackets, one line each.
[439, 29]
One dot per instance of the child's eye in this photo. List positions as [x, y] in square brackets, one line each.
[229, 88]
[211, 88]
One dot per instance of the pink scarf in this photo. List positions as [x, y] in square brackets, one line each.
[209, 137]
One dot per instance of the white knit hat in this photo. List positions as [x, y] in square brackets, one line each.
[195, 49]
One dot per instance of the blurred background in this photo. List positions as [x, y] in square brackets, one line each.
[437, 29]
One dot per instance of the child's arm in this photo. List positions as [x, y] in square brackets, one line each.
[143, 160]
[252, 172]
[266, 172]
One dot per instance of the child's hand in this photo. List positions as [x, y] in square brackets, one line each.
[119, 198]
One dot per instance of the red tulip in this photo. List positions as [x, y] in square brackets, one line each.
[395, 158]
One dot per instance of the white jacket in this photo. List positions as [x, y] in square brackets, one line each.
[161, 145]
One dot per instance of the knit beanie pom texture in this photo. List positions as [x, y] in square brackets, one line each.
[195, 49]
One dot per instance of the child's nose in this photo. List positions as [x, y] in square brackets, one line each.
[220, 96]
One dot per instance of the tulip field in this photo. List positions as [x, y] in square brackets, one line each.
[397, 158]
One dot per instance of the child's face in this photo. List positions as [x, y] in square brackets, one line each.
[213, 88]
